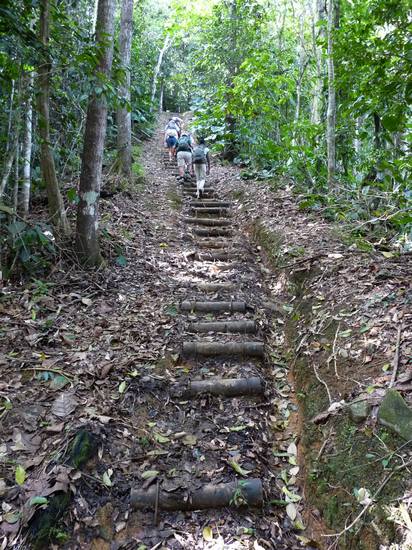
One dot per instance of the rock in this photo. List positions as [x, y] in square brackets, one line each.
[104, 515]
[396, 415]
[359, 411]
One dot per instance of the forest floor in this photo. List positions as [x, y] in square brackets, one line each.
[96, 359]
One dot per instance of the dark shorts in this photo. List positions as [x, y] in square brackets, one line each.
[171, 142]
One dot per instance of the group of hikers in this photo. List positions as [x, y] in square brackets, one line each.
[192, 158]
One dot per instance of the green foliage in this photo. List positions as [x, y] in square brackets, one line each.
[25, 248]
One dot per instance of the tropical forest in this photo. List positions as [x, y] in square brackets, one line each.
[205, 275]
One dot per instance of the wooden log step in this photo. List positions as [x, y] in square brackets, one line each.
[212, 349]
[211, 210]
[215, 243]
[210, 203]
[225, 387]
[193, 191]
[223, 326]
[212, 232]
[247, 492]
[214, 256]
[192, 184]
[211, 222]
[210, 307]
[215, 287]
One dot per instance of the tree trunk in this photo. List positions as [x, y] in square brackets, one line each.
[16, 179]
[124, 120]
[318, 15]
[87, 242]
[331, 113]
[55, 200]
[162, 91]
[162, 52]
[27, 145]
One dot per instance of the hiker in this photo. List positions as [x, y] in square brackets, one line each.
[171, 139]
[172, 125]
[179, 123]
[184, 156]
[201, 163]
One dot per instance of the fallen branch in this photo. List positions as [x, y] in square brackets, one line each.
[396, 357]
[212, 222]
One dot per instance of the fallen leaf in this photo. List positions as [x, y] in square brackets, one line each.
[238, 469]
[207, 534]
[106, 478]
[20, 475]
[291, 511]
[64, 404]
[122, 387]
[149, 474]
[189, 440]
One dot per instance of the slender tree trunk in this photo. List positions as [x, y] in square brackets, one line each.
[48, 169]
[27, 145]
[331, 113]
[165, 47]
[13, 125]
[162, 90]
[87, 242]
[317, 15]
[16, 180]
[124, 121]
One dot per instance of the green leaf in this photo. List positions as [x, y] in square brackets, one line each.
[121, 261]
[38, 500]
[149, 474]
[161, 438]
[106, 478]
[122, 387]
[20, 475]
[207, 534]
[238, 469]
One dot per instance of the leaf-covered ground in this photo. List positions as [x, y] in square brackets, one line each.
[99, 355]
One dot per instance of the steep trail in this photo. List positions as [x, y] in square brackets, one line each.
[220, 427]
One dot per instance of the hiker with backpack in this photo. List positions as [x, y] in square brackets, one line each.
[184, 156]
[201, 163]
[171, 139]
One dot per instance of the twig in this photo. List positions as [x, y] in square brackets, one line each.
[396, 357]
[303, 260]
[333, 356]
[324, 383]
[156, 510]
[368, 505]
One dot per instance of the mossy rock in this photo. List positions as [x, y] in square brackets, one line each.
[396, 415]
[84, 447]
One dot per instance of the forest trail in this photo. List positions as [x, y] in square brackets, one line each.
[106, 362]
[112, 363]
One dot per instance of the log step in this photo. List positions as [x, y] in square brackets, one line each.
[210, 203]
[209, 307]
[224, 387]
[223, 326]
[247, 492]
[214, 243]
[215, 256]
[212, 232]
[211, 210]
[213, 349]
[211, 222]
[193, 191]
[192, 184]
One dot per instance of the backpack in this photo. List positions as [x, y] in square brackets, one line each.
[199, 155]
[184, 144]
[172, 125]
